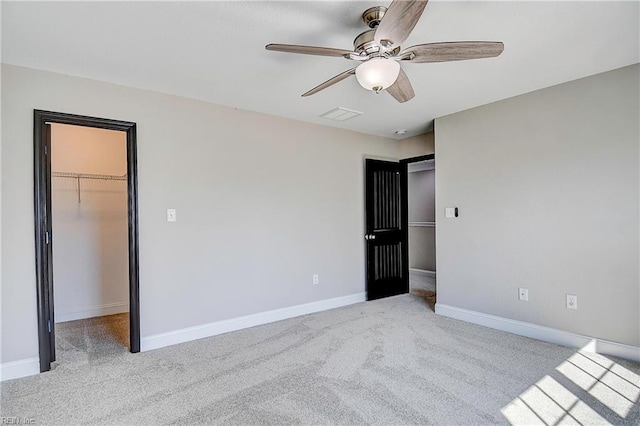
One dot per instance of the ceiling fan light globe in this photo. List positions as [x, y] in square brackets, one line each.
[377, 74]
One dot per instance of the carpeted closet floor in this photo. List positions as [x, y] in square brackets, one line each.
[91, 341]
[424, 286]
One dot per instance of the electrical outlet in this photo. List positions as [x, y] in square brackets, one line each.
[523, 294]
[171, 215]
[316, 278]
[572, 301]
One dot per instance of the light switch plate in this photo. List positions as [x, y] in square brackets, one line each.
[523, 294]
[171, 215]
[450, 212]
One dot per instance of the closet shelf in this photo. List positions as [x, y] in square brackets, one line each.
[88, 176]
[423, 224]
[78, 176]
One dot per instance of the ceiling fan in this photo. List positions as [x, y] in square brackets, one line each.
[379, 53]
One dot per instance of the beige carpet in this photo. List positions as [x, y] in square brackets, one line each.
[92, 340]
[388, 362]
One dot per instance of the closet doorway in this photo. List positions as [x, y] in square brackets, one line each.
[421, 229]
[86, 238]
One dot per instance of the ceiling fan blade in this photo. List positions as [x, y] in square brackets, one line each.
[309, 50]
[338, 78]
[452, 51]
[401, 90]
[398, 22]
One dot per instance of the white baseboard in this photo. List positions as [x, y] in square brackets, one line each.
[539, 332]
[96, 311]
[21, 368]
[31, 366]
[423, 272]
[220, 327]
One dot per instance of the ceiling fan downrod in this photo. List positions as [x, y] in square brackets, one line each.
[373, 16]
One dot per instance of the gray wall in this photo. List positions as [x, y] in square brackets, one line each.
[422, 240]
[548, 189]
[262, 204]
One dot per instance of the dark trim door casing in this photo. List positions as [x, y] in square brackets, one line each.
[43, 228]
[404, 194]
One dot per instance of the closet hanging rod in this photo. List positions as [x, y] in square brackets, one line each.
[423, 224]
[78, 176]
[88, 176]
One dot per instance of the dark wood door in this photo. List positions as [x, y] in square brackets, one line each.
[384, 237]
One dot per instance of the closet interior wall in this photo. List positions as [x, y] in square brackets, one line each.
[89, 214]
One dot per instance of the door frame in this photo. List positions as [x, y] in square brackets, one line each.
[43, 226]
[404, 206]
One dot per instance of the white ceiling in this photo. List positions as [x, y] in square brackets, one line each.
[214, 51]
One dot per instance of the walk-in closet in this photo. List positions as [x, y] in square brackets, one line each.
[422, 228]
[90, 243]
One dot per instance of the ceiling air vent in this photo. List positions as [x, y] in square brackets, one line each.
[341, 114]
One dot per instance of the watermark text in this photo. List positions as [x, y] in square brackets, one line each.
[17, 421]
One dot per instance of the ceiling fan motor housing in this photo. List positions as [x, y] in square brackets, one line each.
[365, 43]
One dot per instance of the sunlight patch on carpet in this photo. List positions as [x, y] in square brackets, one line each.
[549, 402]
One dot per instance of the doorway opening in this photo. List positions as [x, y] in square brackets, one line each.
[86, 238]
[421, 227]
